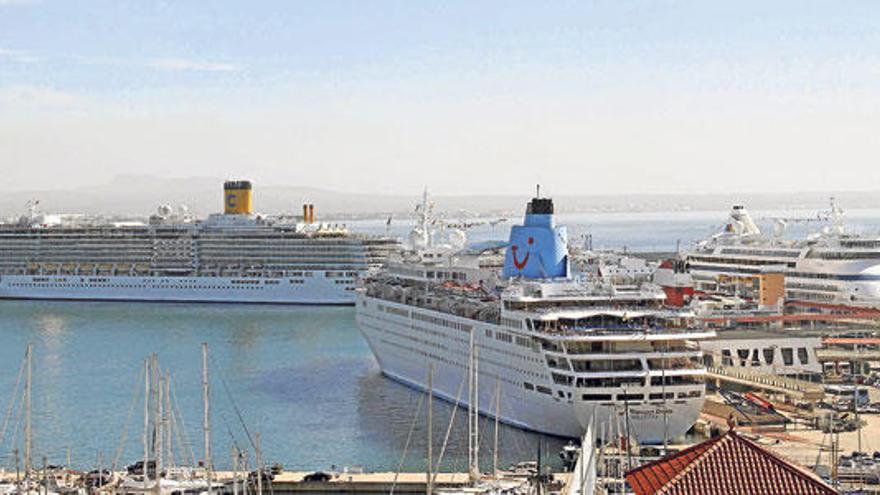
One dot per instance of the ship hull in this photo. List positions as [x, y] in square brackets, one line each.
[403, 346]
[314, 290]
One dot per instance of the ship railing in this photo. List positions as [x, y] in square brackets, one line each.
[629, 354]
[619, 330]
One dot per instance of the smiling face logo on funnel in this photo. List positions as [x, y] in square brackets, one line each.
[516, 262]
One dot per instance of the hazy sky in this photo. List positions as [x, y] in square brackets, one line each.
[465, 96]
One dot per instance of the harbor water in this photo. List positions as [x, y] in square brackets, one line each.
[302, 377]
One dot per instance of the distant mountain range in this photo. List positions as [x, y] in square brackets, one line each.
[140, 195]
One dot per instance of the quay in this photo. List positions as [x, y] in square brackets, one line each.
[348, 482]
[799, 389]
[305, 482]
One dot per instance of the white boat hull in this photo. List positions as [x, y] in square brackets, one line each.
[404, 346]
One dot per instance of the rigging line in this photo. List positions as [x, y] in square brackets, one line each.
[229, 430]
[409, 435]
[17, 422]
[234, 405]
[179, 433]
[135, 400]
[449, 427]
[486, 424]
[13, 400]
[175, 408]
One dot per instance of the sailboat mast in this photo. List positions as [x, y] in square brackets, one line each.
[470, 371]
[259, 459]
[146, 419]
[28, 430]
[429, 485]
[154, 406]
[497, 419]
[160, 423]
[206, 424]
[474, 411]
[169, 423]
[234, 471]
[156, 440]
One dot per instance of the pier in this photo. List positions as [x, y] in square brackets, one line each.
[403, 483]
[298, 482]
[798, 389]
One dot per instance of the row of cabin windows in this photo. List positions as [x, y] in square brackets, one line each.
[339, 274]
[67, 285]
[443, 322]
[640, 397]
[505, 337]
[394, 311]
[441, 275]
[621, 397]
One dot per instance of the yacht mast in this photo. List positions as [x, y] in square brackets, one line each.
[169, 422]
[470, 373]
[28, 429]
[497, 416]
[156, 443]
[160, 425]
[154, 406]
[235, 458]
[259, 455]
[474, 413]
[206, 425]
[429, 485]
[146, 419]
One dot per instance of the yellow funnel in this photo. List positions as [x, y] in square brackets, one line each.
[237, 197]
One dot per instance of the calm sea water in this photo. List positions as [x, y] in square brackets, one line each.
[301, 376]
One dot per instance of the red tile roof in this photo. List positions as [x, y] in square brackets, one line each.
[726, 465]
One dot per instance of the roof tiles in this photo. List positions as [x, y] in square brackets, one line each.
[726, 465]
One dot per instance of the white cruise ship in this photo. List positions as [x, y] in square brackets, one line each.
[830, 266]
[560, 350]
[236, 256]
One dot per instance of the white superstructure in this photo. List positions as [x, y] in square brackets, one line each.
[562, 350]
[830, 266]
[229, 257]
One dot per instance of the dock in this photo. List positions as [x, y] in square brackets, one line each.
[403, 483]
[406, 483]
[798, 389]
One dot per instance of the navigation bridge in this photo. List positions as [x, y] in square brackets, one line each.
[798, 389]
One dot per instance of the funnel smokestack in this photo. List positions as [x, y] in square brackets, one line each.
[237, 197]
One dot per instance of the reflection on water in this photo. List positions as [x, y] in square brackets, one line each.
[301, 376]
[388, 433]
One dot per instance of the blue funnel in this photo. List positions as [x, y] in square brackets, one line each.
[537, 249]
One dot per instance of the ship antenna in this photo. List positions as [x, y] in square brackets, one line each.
[537, 190]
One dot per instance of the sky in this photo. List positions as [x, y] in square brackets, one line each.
[465, 97]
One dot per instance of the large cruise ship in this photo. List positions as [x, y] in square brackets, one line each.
[829, 266]
[236, 256]
[559, 351]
